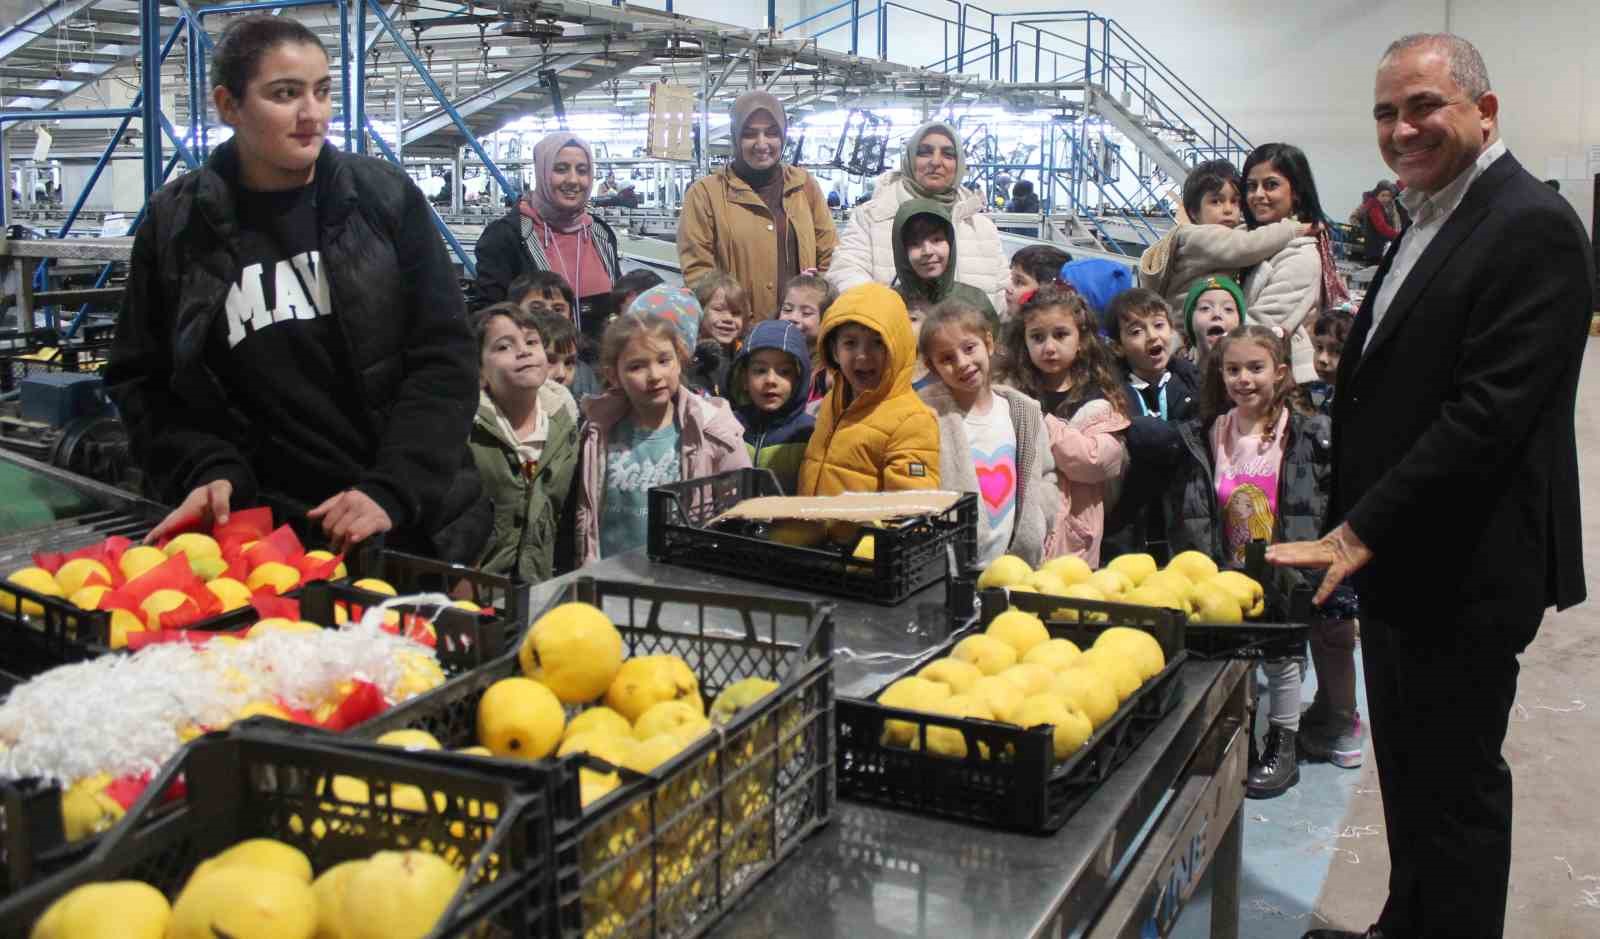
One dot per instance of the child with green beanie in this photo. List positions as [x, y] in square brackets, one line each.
[1214, 308]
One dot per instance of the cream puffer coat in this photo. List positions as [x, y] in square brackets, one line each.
[866, 246]
[1286, 291]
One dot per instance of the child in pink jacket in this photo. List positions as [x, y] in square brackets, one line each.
[1057, 356]
[647, 429]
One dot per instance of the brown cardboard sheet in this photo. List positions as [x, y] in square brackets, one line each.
[849, 507]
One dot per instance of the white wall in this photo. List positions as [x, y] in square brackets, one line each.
[1301, 71]
[1545, 66]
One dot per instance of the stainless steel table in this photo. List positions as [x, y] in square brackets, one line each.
[1125, 864]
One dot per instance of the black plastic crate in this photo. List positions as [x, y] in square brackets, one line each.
[30, 817]
[1025, 789]
[266, 779]
[910, 553]
[410, 574]
[667, 858]
[465, 641]
[1280, 632]
[64, 633]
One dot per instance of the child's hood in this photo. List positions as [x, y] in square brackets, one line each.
[771, 334]
[906, 276]
[554, 398]
[881, 310]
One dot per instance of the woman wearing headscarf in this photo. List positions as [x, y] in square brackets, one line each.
[930, 168]
[756, 218]
[550, 229]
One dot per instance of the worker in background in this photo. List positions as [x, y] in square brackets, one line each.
[292, 331]
[1023, 199]
[1380, 221]
[931, 167]
[550, 229]
[756, 218]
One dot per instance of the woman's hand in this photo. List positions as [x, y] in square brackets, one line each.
[207, 504]
[350, 518]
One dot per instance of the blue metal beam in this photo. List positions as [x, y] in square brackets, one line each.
[150, 63]
[439, 95]
[10, 117]
[439, 223]
[355, 109]
[254, 5]
[350, 126]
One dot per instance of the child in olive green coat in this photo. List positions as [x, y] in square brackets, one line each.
[525, 442]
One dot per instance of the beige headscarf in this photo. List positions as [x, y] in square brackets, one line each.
[908, 164]
[748, 104]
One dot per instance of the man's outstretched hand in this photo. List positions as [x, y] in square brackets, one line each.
[1340, 552]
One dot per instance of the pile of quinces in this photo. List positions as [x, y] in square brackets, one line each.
[1191, 583]
[579, 692]
[1015, 673]
[264, 889]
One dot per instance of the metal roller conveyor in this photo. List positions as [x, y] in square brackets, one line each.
[42, 506]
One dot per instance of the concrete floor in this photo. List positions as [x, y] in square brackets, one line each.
[1317, 856]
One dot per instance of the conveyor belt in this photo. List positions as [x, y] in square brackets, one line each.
[78, 511]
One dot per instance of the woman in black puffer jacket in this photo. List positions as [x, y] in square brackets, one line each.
[292, 329]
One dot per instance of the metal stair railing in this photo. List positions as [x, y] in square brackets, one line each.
[1107, 55]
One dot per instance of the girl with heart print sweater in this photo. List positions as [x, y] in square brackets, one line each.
[1055, 355]
[992, 439]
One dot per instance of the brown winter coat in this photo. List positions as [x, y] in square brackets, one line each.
[725, 226]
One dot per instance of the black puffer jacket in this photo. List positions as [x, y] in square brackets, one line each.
[1194, 520]
[1154, 448]
[397, 303]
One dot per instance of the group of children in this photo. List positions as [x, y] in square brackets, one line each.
[1097, 420]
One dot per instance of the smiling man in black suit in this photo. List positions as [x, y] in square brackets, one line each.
[1455, 490]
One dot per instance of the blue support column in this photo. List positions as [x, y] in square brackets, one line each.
[150, 62]
[355, 108]
[195, 59]
[350, 118]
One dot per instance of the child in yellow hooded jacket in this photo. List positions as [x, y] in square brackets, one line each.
[873, 433]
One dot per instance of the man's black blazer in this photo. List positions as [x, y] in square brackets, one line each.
[1455, 456]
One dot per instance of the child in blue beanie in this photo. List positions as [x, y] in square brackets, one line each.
[1097, 280]
[769, 385]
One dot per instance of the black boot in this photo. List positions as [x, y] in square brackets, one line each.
[1277, 771]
